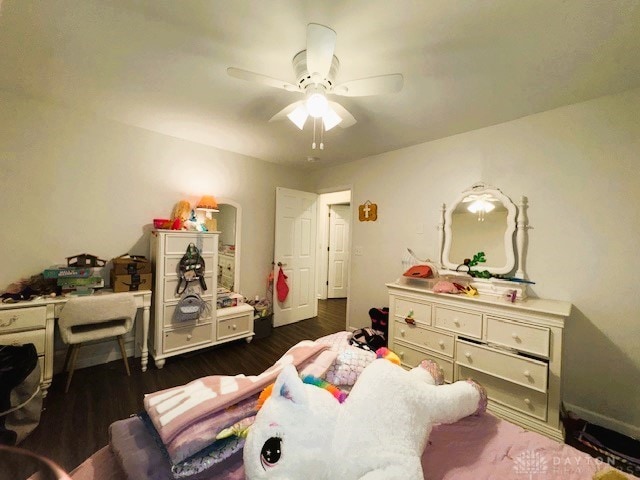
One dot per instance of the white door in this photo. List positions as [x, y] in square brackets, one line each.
[339, 220]
[295, 249]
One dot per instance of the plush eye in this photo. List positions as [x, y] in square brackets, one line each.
[271, 452]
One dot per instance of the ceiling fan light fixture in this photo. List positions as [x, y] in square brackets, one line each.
[299, 116]
[481, 206]
[330, 119]
[317, 104]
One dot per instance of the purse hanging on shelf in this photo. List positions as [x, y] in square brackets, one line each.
[190, 269]
[190, 307]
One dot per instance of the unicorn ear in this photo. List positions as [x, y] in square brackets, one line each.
[288, 385]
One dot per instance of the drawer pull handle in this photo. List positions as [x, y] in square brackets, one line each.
[402, 332]
[515, 337]
[527, 402]
[468, 355]
[401, 355]
[234, 327]
[456, 323]
[189, 337]
[11, 321]
[527, 373]
[441, 343]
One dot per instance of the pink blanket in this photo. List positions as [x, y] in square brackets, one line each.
[475, 448]
[182, 409]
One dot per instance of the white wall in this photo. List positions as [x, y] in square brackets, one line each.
[579, 168]
[74, 183]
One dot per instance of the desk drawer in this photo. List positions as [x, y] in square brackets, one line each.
[420, 312]
[178, 243]
[439, 342]
[187, 337]
[410, 357]
[523, 371]
[525, 400]
[519, 336]
[230, 327]
[20, 338]
[467, 323]
[22, 319]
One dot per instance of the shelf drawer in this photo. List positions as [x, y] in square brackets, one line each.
[178, 243]
[168, 317]
[230, 327]
[171, 265]
[459, 321]
[420, 312]
[410, 357]
[186, 337]
[439, 342]
[519, 336]
[20, 338]
[513, 368]
[171, 283]
[522, 399]
[22, 319]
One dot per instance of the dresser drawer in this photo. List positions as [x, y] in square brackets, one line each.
[419, 312]
[178, 243]
[230, 327]
[187, 337]
[522, 399]
[22, 319]
[523, 371]
[439, 342]
[171, 284]
[519, 336]
[171, 265]
[467, 323]
[168, 317]
[410, 357]
[20, 338]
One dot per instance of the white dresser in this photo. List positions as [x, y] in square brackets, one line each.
[513, 349]
[168, 337]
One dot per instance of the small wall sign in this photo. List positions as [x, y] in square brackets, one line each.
[368, 212]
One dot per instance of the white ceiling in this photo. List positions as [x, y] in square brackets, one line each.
[161, 64]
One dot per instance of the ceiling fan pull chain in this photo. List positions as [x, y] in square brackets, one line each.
[313, 145]
[321, 135]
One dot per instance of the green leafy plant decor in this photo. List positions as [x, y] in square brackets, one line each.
[478, 258]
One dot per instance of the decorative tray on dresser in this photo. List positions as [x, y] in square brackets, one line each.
[513, 349]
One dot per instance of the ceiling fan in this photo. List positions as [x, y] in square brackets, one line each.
[315, 71]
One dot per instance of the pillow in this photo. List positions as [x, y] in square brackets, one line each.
[349, 362]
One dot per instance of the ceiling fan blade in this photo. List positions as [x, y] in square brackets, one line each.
[282, 114]
[347, 118]
[321, 43]
[259, 78]
[370, 86]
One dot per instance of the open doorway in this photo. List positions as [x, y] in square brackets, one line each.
[334, 235]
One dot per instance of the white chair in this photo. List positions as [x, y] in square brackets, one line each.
[95, 317]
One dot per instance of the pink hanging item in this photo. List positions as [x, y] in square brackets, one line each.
[281, 286]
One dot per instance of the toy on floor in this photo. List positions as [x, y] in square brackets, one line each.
[303, 431]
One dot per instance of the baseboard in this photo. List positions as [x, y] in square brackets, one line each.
[632, 431]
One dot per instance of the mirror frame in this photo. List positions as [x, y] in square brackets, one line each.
[512, 212]
[238, 250]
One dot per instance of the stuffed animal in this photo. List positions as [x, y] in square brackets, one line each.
[180, 214]
[379, 432]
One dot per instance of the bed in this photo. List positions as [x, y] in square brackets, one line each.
[477, 447]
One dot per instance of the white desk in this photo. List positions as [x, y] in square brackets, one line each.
[34, 322]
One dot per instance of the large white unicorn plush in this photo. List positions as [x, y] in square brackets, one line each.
[379, 432]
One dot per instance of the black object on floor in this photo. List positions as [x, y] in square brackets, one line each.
[610, 447]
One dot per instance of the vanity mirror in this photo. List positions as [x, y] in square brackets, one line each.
[228, 220]
[483, 219]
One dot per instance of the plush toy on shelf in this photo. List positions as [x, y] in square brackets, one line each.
[180, 215]
[304, 430]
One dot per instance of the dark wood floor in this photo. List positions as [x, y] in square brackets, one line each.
[74, 425]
